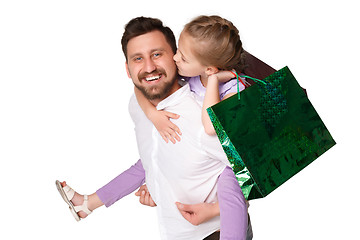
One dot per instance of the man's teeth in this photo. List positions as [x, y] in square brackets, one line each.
[152, 78]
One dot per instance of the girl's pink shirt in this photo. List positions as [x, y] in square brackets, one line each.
[224, 88]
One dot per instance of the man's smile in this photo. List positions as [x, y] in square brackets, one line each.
[153, 78]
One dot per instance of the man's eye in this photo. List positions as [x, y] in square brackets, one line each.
[137, 59]
[157, 54]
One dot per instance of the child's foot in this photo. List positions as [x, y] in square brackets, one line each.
[77, 200]
[78, 204]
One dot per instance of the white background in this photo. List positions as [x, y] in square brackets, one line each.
[63, 112]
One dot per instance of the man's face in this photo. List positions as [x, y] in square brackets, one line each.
[150, 65]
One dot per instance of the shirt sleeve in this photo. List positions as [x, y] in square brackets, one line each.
[230, 87]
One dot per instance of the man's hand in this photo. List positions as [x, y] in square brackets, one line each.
[198, 213]
[145, 197]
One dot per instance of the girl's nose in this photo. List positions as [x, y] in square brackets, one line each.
[176, 57]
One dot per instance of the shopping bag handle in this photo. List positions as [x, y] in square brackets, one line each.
[240, 80]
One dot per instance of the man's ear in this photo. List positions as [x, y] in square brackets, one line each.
[211, 70]
[127, 69]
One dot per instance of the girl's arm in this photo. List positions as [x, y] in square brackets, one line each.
[160, 119]
[212, 97]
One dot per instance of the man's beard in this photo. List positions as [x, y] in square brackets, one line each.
[160, 91]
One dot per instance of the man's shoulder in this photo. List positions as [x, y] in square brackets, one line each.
[186, 100]
[134, 109]
[133, 102]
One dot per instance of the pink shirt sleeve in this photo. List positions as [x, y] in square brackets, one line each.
[224, 88]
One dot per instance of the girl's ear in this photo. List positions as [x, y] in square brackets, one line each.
[211, 70]
[127, 70]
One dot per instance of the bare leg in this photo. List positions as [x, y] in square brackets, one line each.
[78, 199]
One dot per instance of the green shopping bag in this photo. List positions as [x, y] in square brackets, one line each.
[269, 132]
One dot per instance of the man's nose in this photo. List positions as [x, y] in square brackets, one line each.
[149, 65]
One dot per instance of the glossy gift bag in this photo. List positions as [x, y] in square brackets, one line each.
[269, 132]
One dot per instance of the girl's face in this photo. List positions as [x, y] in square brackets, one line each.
[187, 64]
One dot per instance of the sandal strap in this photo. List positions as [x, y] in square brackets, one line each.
[84, 206]
[69, 192]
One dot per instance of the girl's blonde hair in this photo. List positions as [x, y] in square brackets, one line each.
[217, 43]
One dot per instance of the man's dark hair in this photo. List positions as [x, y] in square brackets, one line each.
[142, 25]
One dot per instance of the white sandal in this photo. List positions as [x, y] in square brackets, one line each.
[67, 193]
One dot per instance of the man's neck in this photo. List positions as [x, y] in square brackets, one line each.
[174, 88]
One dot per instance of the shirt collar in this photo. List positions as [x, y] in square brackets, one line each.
[174, 98]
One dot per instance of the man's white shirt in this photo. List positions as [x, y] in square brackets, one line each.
[185, 172]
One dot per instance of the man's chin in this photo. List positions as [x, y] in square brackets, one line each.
[155, 92]
[152, 94]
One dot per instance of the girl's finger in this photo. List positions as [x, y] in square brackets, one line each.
[171, 115]
[176, 129]
[175, 135]
[164, 137]
[169, 137]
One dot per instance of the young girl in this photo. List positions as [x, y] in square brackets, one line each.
[209, 48]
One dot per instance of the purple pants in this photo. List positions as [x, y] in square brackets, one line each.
[233, 207]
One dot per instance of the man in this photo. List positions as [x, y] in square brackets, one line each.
[185, 172]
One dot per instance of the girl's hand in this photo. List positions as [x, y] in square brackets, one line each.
[222, 76]
[167, 129]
